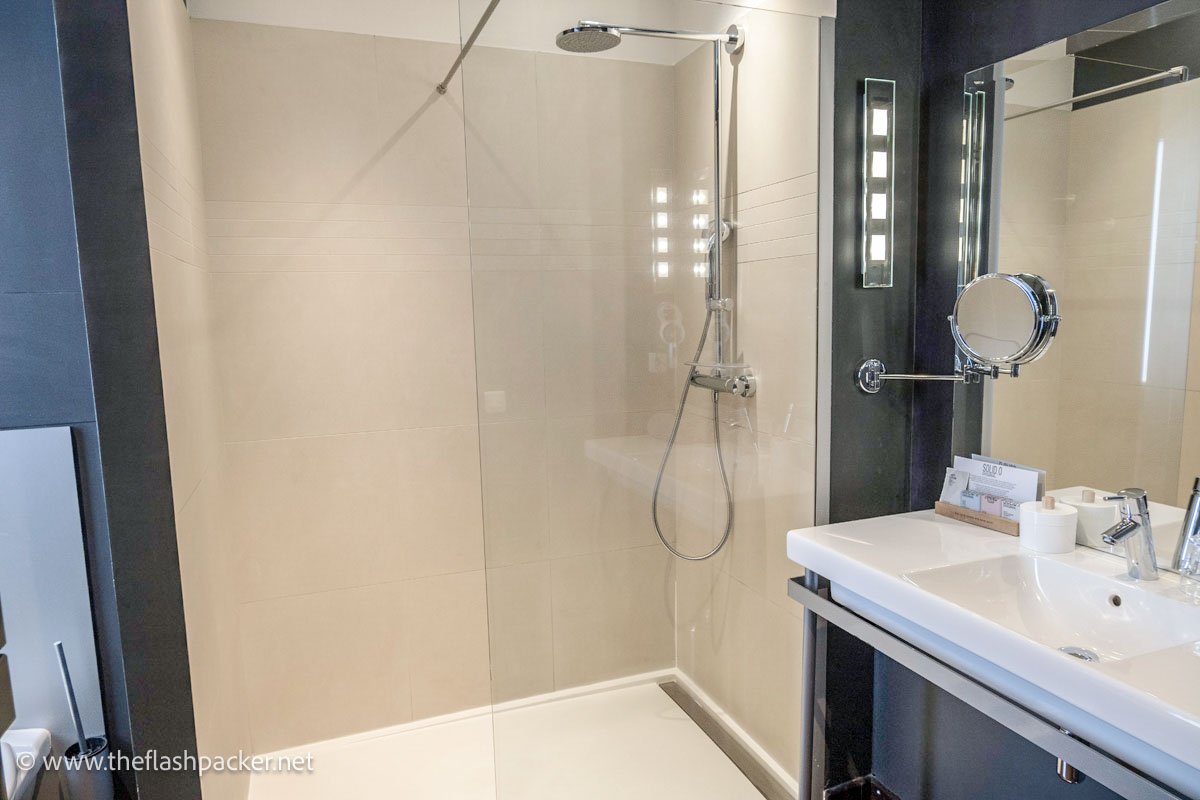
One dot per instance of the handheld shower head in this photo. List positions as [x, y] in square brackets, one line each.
[588, 38]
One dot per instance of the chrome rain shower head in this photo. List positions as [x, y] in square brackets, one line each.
[596, 37]
[588, 38]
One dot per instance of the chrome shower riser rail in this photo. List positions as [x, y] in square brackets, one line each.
[714, 250]
[724, 378]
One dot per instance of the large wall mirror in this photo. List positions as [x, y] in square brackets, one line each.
[1081, 163]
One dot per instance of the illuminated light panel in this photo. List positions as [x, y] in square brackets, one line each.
[877, 202]
[879, 122]
[879, 206]
[878, 247]
[879, 164]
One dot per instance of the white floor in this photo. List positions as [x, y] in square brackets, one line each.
[632, 743]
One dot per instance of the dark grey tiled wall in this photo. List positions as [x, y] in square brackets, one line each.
[76, 300]
[932, 745]
[118, 297]
[869, 434]
[45, 372]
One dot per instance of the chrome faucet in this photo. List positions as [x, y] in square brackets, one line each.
[1187, 553]
[1136, 534]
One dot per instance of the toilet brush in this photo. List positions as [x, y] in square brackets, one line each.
[85, 769]
[72, 703]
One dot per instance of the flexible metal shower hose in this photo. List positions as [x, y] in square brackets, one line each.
[662, 467]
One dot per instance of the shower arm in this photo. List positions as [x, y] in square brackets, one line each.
[731, 38]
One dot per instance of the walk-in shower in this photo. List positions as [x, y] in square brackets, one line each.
[723, 376]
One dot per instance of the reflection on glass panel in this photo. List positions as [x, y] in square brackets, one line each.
[1099, 192]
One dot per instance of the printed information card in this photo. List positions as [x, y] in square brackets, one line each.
[990, 486]
[1002, 480]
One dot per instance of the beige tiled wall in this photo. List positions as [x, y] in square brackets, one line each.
[738, 634]
[343, 332]
[168, 128]
[1109, 406]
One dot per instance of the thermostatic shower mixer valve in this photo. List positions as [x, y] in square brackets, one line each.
[737, 380]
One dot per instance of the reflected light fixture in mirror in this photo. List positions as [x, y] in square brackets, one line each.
[972, 207]
[878, 181]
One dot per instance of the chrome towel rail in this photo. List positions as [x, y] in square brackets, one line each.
[1173, 72]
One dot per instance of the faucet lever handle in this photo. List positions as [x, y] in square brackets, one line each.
[1135, 501]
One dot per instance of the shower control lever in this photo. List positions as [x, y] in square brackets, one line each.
[741, 385]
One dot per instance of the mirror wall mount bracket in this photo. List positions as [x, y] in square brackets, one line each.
[990, 313]
[872, 373]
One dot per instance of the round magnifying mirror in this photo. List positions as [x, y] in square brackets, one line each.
[1004, 320]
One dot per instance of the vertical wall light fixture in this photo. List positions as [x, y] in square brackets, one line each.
[878, 181]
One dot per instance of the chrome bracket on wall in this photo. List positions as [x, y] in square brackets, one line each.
[872, 373]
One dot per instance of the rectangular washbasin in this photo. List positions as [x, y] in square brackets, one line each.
[1090, 616]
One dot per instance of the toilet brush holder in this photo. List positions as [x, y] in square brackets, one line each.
[86, 774]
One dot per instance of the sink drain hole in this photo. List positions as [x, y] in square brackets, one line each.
[1082, 653]
[1114, 600]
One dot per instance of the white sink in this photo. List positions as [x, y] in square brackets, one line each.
[980, 603]
[1088, 616]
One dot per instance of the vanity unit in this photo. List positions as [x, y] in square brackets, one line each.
[941, 658]
[1041, 644]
